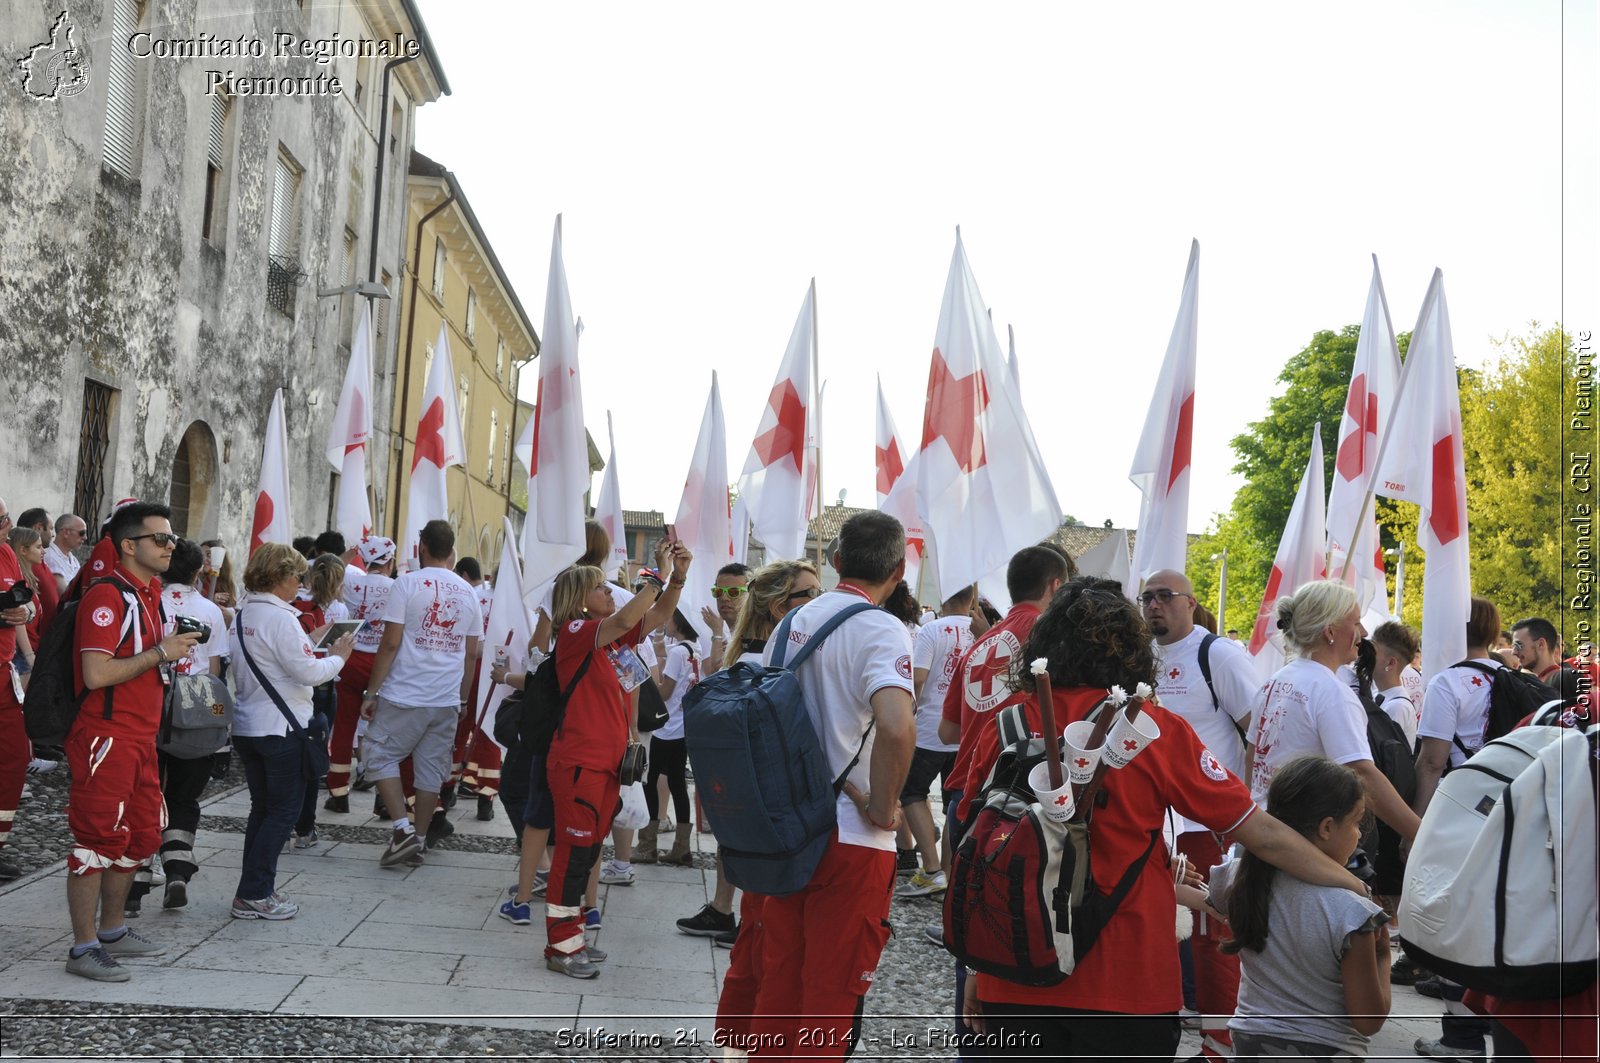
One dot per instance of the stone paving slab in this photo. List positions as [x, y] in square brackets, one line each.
[150, 984]
[508, 1008]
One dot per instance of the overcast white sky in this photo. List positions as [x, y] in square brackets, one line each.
[710, 158]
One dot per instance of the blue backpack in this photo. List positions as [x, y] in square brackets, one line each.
[759, 769]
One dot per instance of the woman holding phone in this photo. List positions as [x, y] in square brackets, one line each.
[596, 653]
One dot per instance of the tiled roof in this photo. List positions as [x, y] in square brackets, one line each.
[646, 519]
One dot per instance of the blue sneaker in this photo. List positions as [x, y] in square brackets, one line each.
[591, 919]
[520, 914]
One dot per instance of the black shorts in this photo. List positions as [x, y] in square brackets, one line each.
[926, 765]
[541, 808]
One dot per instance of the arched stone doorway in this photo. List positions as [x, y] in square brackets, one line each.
[194, 473]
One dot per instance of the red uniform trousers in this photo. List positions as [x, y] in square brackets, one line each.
[585, 802]
[15, 752]
[477, 758]
[737, 1005]
[819, 953]
[347, 698]
[1216, 974]
[115, 811]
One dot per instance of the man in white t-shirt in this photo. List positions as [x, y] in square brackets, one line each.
[366, 593]
[1455, 713]
[1212, 683]
[477, 758]
[421, 677]
[936, 651]
[58, 556]
[820, 946]
[1396, 645]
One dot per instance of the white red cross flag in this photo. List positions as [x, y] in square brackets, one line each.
[507, 627]
[1300, 560]
[1368, 408]
[350, 435]
[608, 509]
[439, 445]
[1161, 468]
[778, 484]
[705, 522]
[271, 523]
[981, 482]
[1422, 462]
[558, 461]
[897, 490]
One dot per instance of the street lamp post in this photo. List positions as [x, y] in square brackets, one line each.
[1222, 593]
[1399, 577]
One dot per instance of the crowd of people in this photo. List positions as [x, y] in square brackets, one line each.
[1253, 805]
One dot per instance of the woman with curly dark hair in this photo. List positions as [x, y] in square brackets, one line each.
[1123, 997]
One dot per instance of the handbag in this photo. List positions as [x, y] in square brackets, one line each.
[634, 764]
[196, 716]
[316, 749]
[652, 707]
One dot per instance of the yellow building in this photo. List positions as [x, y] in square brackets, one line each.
[451, 274]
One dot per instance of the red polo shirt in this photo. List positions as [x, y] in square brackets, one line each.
[978, 692]
[10, 576]
[594, 731]
[106, 624]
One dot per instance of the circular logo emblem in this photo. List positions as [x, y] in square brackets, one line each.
[98, 566]
[986, 671]
[903, 666]
[1212, 766]
[575, 626]
[103, 617]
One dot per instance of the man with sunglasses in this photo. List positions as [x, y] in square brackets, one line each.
[116, 812]
[1212, 683]
[728, 592]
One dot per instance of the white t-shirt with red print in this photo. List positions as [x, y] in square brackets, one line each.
[938, 648]
[1305, 711]
[177, 600]
[366, 598]
[440, 612]
[867, 653]
[1457, 706]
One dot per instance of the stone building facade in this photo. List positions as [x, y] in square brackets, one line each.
[165, 245]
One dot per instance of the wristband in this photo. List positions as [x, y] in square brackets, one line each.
[161, 654]
[676, 581]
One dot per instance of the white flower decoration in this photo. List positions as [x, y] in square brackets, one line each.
[1041, 666]
[1142, 692]
[1119, 697]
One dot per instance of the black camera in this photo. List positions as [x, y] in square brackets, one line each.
[17, 596]
[188, 625]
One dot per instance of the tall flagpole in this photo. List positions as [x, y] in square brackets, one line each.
[816, 399]
[1388, 429]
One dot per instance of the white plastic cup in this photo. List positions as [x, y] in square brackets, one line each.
[1128, 738]
[1081, 759]
[214, 557]
[1055, 804]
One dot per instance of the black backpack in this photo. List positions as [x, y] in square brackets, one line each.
[1391, 753]
[1512, 697]
[53, 698]
[531, 717]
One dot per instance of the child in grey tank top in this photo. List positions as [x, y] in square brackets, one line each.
[1314, 960]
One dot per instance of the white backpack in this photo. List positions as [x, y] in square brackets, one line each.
[1500, 885]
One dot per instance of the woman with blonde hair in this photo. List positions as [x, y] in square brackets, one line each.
[276, 670]
[596, 655]
[1306, 711]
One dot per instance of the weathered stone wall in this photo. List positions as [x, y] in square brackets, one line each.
[112, 279]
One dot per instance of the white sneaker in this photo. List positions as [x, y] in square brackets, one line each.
[920, 884]
[612, 874]
[39, 766]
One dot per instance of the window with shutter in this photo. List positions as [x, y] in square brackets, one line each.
[283, 271]
[464, 385]
[124, 97]
[381, 309]
[212, 222]
[438, 269]
[494, 446]
[499, 359]
[472, 315]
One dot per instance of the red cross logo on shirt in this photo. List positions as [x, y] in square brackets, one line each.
[1175, 673]
[1477, 680]
[984, 673]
